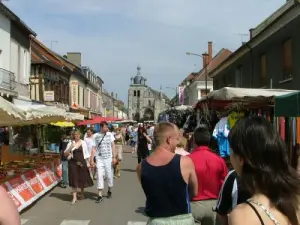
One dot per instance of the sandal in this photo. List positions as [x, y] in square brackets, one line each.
[80, 196]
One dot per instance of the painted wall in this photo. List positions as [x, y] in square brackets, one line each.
[4, 43]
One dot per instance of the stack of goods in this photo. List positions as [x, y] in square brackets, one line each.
[17, 168]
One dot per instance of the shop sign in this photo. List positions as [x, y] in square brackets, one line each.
[49, 96]
[74, 93]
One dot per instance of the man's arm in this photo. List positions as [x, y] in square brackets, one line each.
[192, 177]
[8, 211]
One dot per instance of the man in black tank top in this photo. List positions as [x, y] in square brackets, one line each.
[168, 180]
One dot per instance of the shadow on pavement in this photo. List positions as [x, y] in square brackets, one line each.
[68, 197]
[128, 170]
[140, 210]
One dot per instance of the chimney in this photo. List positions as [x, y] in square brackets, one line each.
[210, 51]
[251, 31]
[204, 60]
[75, 58]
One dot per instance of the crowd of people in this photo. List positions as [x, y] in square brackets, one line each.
[196, 188]
[187, 185]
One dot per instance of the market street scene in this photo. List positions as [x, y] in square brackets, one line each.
[148, 112]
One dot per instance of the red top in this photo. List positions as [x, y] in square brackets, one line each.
[211, 171]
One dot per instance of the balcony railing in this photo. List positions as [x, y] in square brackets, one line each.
[7, 79]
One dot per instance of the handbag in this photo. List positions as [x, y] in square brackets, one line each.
[100, 144]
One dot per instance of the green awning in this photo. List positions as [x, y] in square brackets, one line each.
[288, 105]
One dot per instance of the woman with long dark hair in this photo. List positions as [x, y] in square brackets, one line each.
[142, 144]
[259, 156]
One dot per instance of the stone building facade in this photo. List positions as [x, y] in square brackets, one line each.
[144, 103]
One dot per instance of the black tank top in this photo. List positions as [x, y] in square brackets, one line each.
[165, 189]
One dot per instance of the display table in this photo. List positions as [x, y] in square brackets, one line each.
[29, 185]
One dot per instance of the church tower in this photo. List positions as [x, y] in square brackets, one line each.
[135, 95]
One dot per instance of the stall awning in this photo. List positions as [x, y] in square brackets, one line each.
[245, 94]
[288, 105]
[9, 113]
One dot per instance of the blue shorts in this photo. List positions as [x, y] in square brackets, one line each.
[133, 143]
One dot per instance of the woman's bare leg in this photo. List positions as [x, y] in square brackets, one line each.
[74, 193]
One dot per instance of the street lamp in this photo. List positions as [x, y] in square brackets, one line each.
[204, 57]
[176, 94]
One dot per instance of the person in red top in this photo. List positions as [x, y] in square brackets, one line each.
[211, 171]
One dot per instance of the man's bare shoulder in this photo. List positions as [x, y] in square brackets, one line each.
[186, 161]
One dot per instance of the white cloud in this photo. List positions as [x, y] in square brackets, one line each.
[116, 35]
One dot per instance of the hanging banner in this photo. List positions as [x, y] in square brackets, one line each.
[181, 95]
[74, 93]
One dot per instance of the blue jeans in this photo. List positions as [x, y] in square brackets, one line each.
[65, 177]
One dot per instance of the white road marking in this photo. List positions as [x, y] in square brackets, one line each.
[23, 221]
[136, 223]
[75, 222]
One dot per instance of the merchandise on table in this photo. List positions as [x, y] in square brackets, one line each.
[27, 180]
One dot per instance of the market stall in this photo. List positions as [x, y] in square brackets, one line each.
[177, 115]
[231, 104]
[287, 111]
[29, 178]
[27, 175]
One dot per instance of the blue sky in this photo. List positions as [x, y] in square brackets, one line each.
[115, 36]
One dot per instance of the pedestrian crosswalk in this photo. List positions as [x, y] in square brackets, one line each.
[81, 222]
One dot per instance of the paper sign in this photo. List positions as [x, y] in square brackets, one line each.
[34, 182]
[45, 176]
[58, 168]
[21, 188]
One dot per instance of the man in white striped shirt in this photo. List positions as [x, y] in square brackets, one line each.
[232, 193]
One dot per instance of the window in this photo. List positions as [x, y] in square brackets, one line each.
[138, 93]
[263, 70]
[238, 76]
[149, 102]
[203, 92]
[287, 58]
[134, 93]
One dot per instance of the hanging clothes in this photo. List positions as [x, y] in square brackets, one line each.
[221, 132]
[298, 130]
[282, 127]
[234, 117]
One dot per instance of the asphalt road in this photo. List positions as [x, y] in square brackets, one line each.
[125, 207]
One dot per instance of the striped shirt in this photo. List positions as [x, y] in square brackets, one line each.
[232, 193]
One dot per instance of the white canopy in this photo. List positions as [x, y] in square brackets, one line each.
[74, 116]
[235, 94]
[9, 113]
[41, 114]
